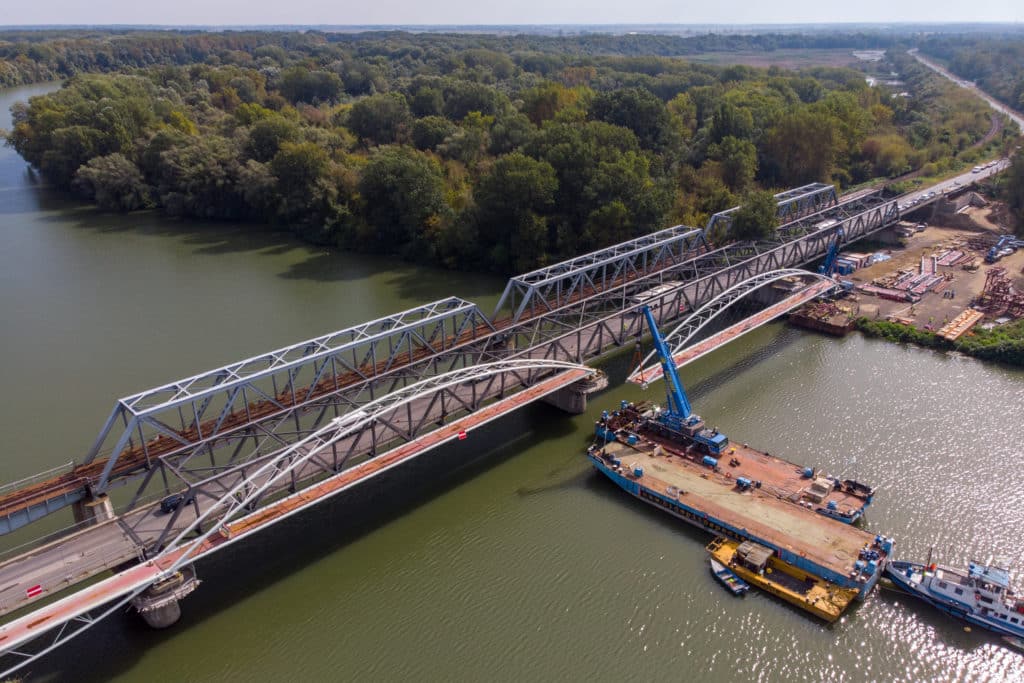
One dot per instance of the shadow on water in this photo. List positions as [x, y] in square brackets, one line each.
[114, 646]
[311, 262]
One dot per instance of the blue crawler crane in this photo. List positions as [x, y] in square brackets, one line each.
[1006, 245]
[828, 268]
[678, 418]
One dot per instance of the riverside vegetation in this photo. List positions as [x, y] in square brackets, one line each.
[474, 152]
[1004, 343]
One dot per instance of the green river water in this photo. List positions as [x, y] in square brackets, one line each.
[502, 557]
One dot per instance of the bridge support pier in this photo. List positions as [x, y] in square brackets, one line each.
[158, 604]
[573, 398]
[93, 510]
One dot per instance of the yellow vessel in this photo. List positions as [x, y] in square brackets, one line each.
[757, 565]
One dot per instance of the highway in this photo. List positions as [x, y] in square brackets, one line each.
[1013, 114]
[929, 194]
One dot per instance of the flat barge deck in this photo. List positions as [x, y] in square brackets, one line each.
[773, 514]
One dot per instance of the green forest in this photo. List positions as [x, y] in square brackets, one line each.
[469, 151]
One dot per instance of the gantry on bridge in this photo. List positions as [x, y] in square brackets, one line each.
[227, 452]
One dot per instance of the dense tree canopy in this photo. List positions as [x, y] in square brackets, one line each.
[483, 152]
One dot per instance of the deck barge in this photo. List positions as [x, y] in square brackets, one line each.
[718, 498]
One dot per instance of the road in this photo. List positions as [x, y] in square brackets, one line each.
[1013, 114]
[933, 192]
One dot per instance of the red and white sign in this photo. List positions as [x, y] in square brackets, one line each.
[34, 591]
[462, 435]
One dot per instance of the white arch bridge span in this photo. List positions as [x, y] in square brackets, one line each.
[680, 338]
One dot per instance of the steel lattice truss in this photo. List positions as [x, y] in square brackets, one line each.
[552, 287]
[189, 431]
[587, 329]
[189, 413]
[270, 475]
[793, 204]
[244, 495]
[680, 336]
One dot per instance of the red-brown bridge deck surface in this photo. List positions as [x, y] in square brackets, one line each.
[708, 345]
[136, 457]
[31, 625]
[761, 512]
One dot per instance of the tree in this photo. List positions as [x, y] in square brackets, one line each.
[427, 102]
[512, 199]
[381, 119]
[542, 102]
[403, 198]
[756, 218]
[738, 160]
[267, 135]
[1014, 191]
[800, 149]
[637, 109]
[298, 166]
[431, 131]
[299, 84]
[114, 182]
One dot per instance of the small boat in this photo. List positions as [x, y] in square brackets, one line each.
[735, 584]
[981, 595]
[1015, 641]
[758, 565]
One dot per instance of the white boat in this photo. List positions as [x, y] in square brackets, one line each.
[980, 595]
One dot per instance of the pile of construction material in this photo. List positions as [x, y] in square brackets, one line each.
[958, 326]
[953, 257]
[850, 261]
[999, 296]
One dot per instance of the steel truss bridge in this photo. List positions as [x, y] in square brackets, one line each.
[252, 442]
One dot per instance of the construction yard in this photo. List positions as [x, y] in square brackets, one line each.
[935, 288]
[957, 256]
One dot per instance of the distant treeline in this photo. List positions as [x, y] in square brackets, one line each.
[476, 152]
[32, 56]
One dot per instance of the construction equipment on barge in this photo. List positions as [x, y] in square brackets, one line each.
[669, 458]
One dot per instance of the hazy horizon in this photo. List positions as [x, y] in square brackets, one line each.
[397, 13]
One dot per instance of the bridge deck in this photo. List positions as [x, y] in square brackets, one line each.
[692, 353]
[95, 549]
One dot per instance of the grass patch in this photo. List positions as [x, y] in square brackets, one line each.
[1003, 344]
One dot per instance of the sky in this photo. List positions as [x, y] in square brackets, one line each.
[355, 12]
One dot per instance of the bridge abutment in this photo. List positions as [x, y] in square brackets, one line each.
[573, 398]
[93, 510]
[159, 604]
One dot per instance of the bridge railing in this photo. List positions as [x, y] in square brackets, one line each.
[67, 467]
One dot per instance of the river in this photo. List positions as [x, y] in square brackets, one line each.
[503, 557]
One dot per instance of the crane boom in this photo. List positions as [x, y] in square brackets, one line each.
[679, 419]
[829, 266]
[678, 401]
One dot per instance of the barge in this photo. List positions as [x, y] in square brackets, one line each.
[669, 458]
[759, 566]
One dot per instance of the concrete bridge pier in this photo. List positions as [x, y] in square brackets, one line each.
[93, 510]
[573, 398]
[158, 604]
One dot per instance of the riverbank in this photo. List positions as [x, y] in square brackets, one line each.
[1003, 343]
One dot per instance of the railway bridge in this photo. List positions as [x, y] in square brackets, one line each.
[186, 469]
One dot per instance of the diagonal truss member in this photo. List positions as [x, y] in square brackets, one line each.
[188, 412]
[17, 637]
[689, 328]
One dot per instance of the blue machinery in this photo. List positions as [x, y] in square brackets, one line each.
[829, 266]
[679, 416]
[1006, 245]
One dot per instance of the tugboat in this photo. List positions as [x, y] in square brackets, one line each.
[980, 595]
